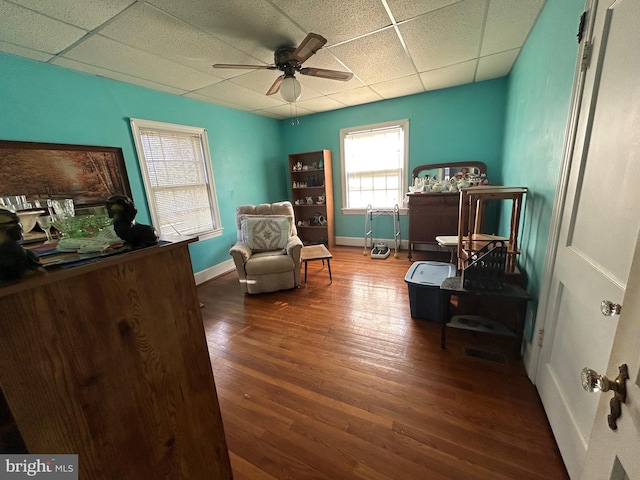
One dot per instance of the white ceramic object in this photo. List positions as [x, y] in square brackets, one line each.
[28, 219]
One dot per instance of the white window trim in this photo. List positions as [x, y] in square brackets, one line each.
[404, 124]
[136, 125]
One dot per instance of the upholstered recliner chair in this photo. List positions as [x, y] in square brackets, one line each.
[267, 254]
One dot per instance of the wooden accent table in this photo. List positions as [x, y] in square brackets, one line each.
[510, 293]
[316, 252]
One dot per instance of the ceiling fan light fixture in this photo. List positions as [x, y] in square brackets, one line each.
[290, 89]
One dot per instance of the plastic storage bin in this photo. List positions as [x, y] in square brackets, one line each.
[424, 280]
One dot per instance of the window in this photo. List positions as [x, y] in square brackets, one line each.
[176, 169]
[374, 163]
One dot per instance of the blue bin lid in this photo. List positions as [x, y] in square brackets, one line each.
[429, 273]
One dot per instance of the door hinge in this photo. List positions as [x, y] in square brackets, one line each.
[540, 337]
[586, 56]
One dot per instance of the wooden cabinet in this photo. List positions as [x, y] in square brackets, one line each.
[430, 215]
[109, 361]
[310, 175]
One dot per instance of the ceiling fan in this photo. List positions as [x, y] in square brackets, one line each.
[289, 60]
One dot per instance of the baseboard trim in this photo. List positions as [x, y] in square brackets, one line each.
[404, 244]
[215, 271]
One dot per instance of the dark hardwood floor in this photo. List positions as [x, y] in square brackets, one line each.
[337, 381]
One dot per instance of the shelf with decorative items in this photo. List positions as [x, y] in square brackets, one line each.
[312, 196]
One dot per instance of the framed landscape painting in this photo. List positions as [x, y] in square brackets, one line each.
[87, 174]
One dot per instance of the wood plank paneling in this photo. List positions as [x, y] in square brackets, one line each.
[337, 381]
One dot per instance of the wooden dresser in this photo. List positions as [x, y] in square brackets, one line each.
[436, 214]
[430, 215]
[109, 361]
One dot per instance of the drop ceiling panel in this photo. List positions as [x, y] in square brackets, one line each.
[450, 76]
[254, 26]
[445, 37]
[234, 93]
[496, 66]
[92, 69]
[285, 111]
[406, 9]
[25, 52]
[87, 14]
[376, 58]
[399, 87]
[28, 29]
[336, 20]
[357, 96]
[156, 32]
[508, 24]
[111, 55]
[321, 104]
[216, 101]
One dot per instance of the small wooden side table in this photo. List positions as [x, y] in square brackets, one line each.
[510, 293]
[316, 252]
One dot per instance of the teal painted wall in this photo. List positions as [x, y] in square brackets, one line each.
[538, 101]
[45, 103]
[454, 124]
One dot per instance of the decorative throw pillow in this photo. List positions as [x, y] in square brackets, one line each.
[268, 232]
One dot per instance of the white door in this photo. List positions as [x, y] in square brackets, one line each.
[615, 455]
[599, 225]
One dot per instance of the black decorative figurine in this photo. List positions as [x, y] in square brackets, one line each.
[15, 260]
[123, 212]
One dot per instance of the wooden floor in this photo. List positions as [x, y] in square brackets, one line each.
[337, 381]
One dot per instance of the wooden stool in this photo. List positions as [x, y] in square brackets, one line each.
[316, 252]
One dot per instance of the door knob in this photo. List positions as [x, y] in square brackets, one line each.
[609, 309]
[593, 382]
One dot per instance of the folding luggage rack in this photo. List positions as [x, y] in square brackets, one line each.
[381, 250]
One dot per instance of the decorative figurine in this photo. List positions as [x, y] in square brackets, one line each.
[123, 212]
[15, 260]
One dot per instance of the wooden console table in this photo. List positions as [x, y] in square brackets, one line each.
[109, 361]
[510, 293]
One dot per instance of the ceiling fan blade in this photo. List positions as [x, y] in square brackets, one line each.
[310, 45]
[276, 85]
[249, 67]
[324, 73]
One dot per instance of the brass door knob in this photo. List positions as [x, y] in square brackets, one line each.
[594, 382]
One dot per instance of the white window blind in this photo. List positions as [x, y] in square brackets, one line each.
[374, 163]
[178, 177]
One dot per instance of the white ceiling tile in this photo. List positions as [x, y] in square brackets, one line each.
[254, 26]
[321, 104]
[92, 69]
[156, 32]
[375, 58]
[25, 28]
[216, 101]
[445, 37]
[508, 24]
[450, 76]
[405, 9]
[238, 95]
[399, 87]
[25, 52]
[357, 96]
[111, 55]
[284, 111]
[496, 66]
[337, 20]
[87, 14]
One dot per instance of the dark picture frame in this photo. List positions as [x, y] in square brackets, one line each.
[87, 174]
